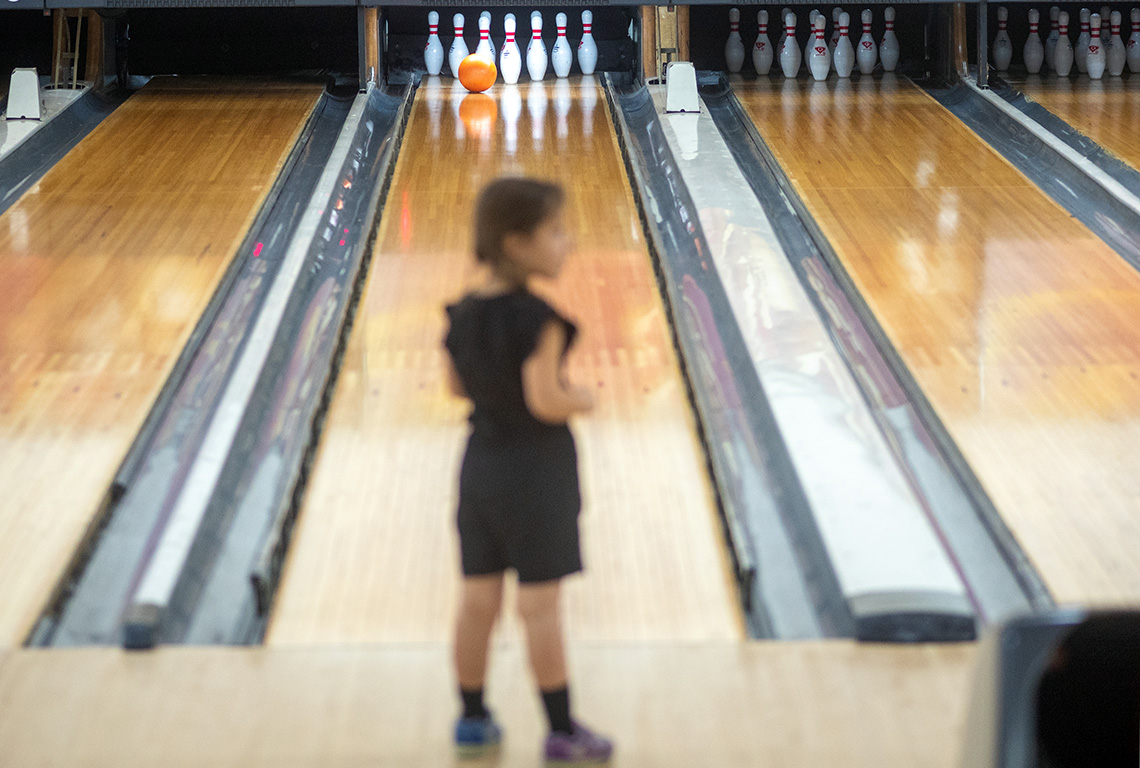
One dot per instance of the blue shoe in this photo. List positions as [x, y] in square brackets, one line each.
[476, 736]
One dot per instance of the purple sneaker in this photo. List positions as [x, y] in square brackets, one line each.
[580, 748]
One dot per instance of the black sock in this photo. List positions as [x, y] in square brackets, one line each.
[473, 703]
[558, 709]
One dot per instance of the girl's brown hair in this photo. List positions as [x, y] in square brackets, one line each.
[512, 206]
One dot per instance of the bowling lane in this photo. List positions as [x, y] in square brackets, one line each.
[1022, 328]
[1105, 110]
[105, 265]
[375, 555]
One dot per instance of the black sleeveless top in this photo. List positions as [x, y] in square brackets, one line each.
[488, 339]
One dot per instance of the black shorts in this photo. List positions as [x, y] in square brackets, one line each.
[518, 506]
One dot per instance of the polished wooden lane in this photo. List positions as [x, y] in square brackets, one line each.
[105, 265]
[1105, 110]
[375, 555]
[728, 705]
[1022, 328]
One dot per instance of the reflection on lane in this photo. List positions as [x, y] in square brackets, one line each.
[476, 114]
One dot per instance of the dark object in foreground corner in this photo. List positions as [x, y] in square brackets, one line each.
[1057, 690]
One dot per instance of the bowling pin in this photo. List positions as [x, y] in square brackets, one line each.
[1054, 33]
[1096, 58]
[844, 51]
[510, 59]
[819, 60]
[790, 54]
[762, 50]
[1134, 43]
[587, 49]
[783, 35]
[811, 34]
[536, 51]
[561, 55]
[433, 51]
[1081, 51]
[889, 46]
[734, 48]
[1105, 33]
[867, 53]
[1117, 55]
[1033, 54]
[831, 41]
[485, 48]
[1063, 53]
[458, 50]
[1003, 47]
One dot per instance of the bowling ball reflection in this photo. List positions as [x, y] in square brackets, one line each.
[477, 73]
[478, 112]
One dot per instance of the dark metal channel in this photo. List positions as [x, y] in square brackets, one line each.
[227, 591]
[90, 602]
[997, 574]
[1107, 216]
[27, 163]
[753, 475]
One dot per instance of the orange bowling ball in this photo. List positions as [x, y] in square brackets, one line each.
[477, 73]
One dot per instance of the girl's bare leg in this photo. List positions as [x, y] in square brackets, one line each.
[479, 607]
[539, 606]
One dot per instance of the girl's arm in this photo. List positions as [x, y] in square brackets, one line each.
[454, 383]
[547, 397]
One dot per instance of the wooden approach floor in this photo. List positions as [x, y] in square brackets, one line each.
[726, 705]
[1022, 328]
[105, 266]
[1105, 110]
[375, 555]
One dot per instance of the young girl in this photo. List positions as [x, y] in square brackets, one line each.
[518, 487]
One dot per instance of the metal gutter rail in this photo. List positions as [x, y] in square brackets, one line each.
[213, 479]
[162, 607]
[758, 492]
[169, 558]
[93, 593]
[997, 574]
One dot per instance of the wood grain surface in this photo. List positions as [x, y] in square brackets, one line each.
[105, 266]
[728, 705]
